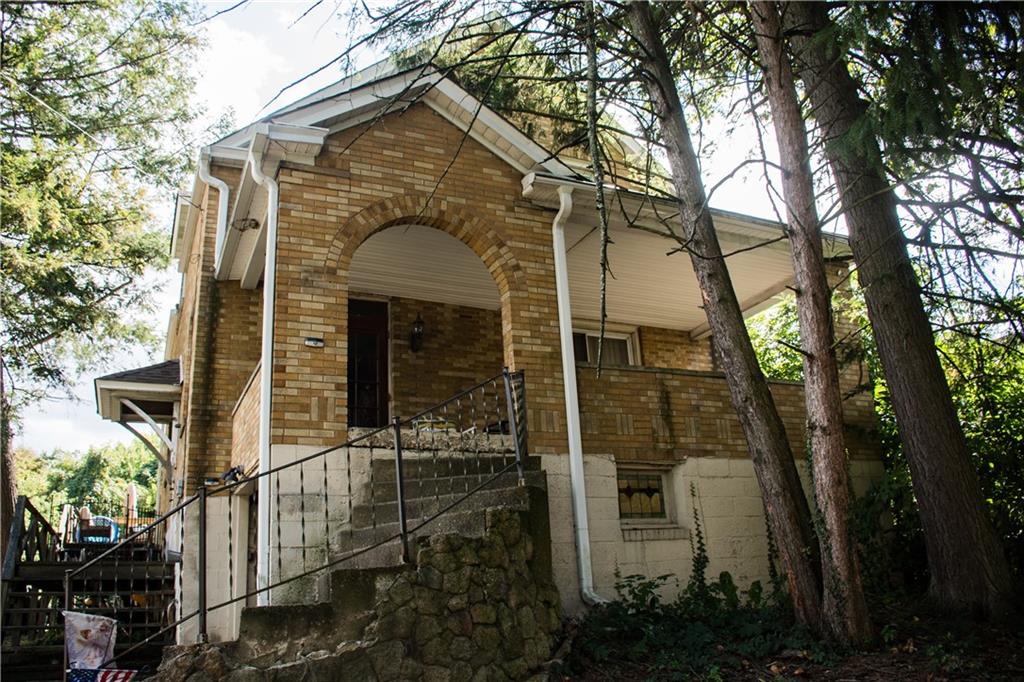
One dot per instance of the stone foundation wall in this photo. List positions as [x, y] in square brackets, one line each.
[474, 608]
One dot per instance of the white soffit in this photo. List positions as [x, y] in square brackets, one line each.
[648, 287]
[422, 263]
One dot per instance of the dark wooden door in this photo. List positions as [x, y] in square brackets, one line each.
[367, 363]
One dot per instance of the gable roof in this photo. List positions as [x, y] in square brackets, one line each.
[382, 89]
[168, 372]
[153, 389]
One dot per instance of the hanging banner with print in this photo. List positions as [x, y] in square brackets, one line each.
[89, 639]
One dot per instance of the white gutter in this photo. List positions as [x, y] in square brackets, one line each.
[222, 201]
[577, 480]
[269, 276]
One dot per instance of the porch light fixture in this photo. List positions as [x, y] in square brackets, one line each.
[416, 335]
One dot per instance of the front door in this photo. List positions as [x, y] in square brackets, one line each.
[367, 363]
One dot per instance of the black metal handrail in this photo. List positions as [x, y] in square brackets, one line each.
[468, 420]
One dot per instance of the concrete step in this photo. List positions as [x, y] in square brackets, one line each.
[475, 437]
[270, 634]
[467, 519]
[424, 465]
[424, 500]
[382, 492]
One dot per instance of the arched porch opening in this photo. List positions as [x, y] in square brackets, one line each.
[424, 322]
[428, 308]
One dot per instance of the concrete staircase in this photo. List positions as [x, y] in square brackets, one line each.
[432, 486]
[476, 601]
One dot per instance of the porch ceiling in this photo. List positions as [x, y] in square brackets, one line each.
[413, 261]
[648, 288]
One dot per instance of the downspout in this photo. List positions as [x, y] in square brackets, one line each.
[222, 201]
[577, 481]
[266, 361]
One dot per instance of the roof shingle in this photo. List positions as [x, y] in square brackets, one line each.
[168, 372]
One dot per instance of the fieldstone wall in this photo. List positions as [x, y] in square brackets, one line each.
[472, 610]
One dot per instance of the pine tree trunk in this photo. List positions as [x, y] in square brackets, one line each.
[8, 482]
[967, 565]
[844, 609]
[776, 473]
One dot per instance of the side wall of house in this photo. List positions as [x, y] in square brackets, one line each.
[675, 421]
[217, 338]
[721, 490]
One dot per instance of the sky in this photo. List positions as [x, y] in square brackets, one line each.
[252, 52]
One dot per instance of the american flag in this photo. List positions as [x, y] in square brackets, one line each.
[102, 675]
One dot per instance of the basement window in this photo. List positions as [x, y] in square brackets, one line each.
[641, 495]
[619, 348]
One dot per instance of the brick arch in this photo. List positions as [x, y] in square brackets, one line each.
[462, 223]
[413, 209]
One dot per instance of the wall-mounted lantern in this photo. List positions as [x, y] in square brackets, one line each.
[416, 334]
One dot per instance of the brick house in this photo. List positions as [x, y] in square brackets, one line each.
[385, 242]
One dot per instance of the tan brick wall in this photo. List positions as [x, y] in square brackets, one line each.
[854, 378]
[461, 347]
[245, 426]
[664, 415]
[674, 349]
[217, 337]
[192, 341]
[385, 178]
[236, 318]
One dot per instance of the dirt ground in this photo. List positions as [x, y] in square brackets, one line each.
[912, 647]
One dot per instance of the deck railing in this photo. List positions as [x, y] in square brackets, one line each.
[371, 494]
[31, 540]
[128, 519]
